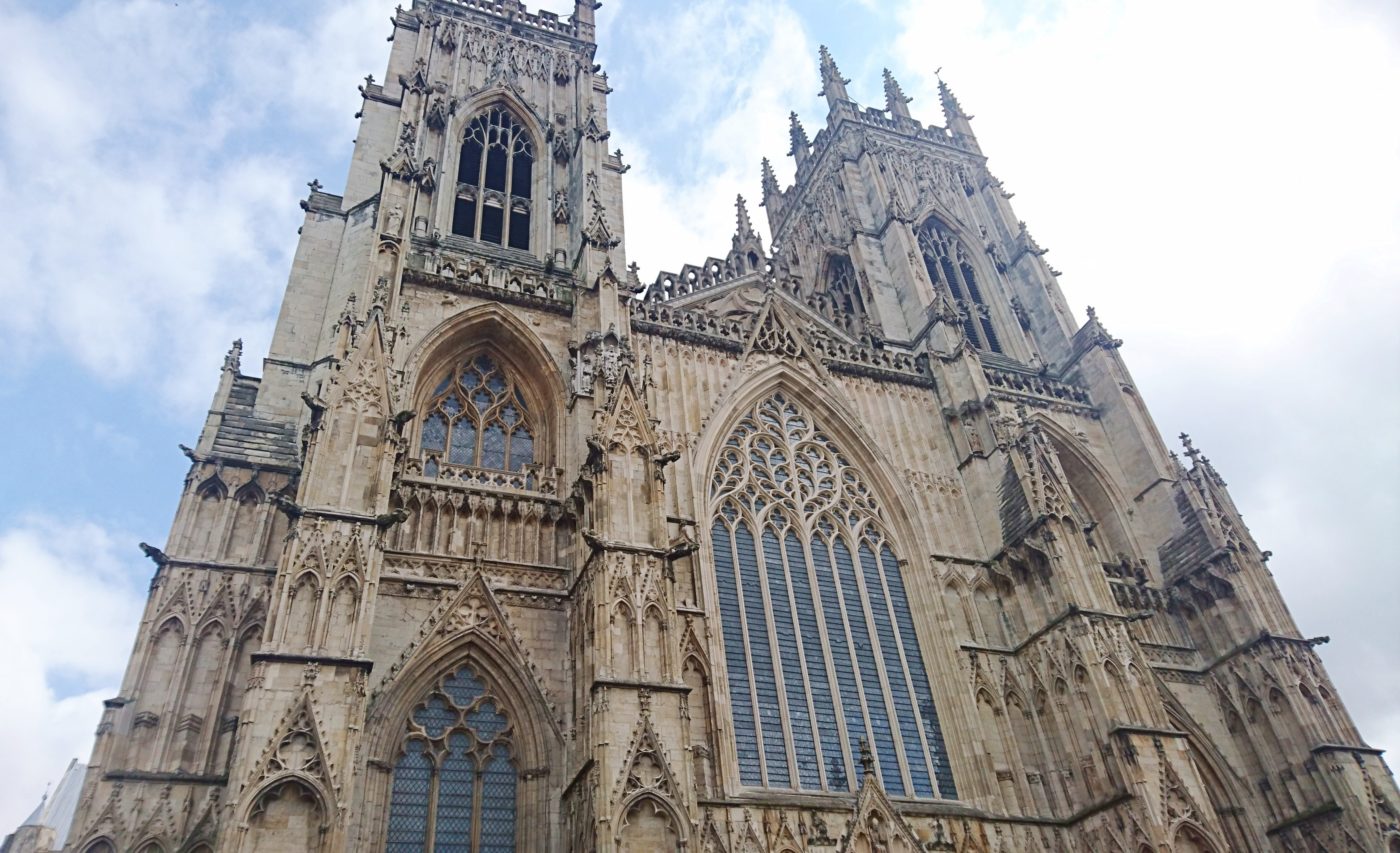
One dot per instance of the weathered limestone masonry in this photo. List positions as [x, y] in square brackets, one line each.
[859, 542]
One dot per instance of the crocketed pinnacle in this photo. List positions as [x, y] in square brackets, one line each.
[895, 100]
[800, 142]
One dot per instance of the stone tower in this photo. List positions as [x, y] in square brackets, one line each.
[855, 542]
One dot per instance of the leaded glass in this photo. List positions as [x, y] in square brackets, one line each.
[471, 787]
[946, 260]
[492, 429]
[494, 173]
[819, 645]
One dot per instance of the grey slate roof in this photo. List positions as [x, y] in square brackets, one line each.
[243, 436]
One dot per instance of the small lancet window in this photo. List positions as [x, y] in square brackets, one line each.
[950, 268]
[494, 179]
[454, 784]
[477, 418]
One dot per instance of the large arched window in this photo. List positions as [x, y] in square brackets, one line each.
[454, 786]
[494, 180]
[950, 267]
[819, 642]
[476, 418]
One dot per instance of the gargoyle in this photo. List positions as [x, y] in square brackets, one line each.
[156, 555]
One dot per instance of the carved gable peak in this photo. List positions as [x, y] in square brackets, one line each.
[626, 423]
[776, 331]
[877, 825]
[646, 769]
[471, 610]
[298, 749]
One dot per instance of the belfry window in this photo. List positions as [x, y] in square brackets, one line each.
[819, 642]
[950, 268]
[476, 418]
[494, 179]
[454, 785]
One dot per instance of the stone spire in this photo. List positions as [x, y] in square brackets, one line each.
[895, 100]
[833, 84]
[770, 182]
[957, 121]
[801, 145]
[745, 225]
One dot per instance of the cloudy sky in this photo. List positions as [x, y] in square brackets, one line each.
[1221, 180]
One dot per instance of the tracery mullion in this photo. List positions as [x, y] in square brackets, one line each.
[895, 672]
[506, 204]
[772, 731]
[796, 693]
[739, 670]
[815, 663]
[877, 709]
[481, 174]
[852, 693]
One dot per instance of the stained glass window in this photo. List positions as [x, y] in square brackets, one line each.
[949, 268]
[819, 644]
[494, 177]
[454, 786]
[477, 418]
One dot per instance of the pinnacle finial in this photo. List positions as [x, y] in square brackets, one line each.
[833, 84]
[951, 107]
[233, 360]
[800, 143]
[1191, 452]
[770, 181]
[745, 225]
[896, 102]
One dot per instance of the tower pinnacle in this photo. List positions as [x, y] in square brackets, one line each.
[801, 145]
[770, 181]
[957, 121]
[895, 100]
[745, 225]
[833, 84]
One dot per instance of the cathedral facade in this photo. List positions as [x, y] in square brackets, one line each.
[854, 542]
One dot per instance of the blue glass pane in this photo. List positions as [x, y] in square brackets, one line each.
[453, 827]
[463, 687]
[493, 447]
[498, 804]
[435, 716]
[799, 718]
[471, 379]
[486, 722]
[482, 400]
[442, 386]
[522, 449]
[430, 468]
[841, 661]
[435, 432]
[452, 405]
[496, 384]
[923, 694]
[764, 680]
[807, 628]
[510, 415]
[894, 670]
[887, 760]
[463, 443]
[735, 659]
[408, 801]
[484, 364]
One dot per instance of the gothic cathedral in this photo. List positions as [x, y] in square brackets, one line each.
[853, 542]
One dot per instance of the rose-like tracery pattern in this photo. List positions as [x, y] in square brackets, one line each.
[820, 647]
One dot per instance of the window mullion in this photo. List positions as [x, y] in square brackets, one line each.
[433, 786]
[874, 597]
[481, 184]
[775, 647]
[791, 604]
[510, 180]
[809, 543]
[868, 733]
[748, 650]
[478, 783]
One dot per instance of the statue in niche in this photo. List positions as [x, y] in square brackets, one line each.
[394, 219]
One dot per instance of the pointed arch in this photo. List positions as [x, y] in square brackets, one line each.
[820, 649]
[288, 812]
[536, 741]
[497, 170]
[1095, 491]
[649, 823]
[515, 348]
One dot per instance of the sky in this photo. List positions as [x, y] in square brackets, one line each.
[1220, 180]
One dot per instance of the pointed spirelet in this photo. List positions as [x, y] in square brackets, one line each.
[833, 84]
[896, 102]
[770, 181]
[741, 214]
[801, 145]
[956, 119]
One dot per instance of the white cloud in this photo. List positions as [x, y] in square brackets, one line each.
[69, 607]
[153, 215]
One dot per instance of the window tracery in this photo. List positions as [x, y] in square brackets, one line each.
[477, 418]
[454, 786]
[950, 267]
[494, 181]
[819, 642]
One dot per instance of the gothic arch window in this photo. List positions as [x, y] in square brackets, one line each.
[494, 181]
[843, 289]
[477, 417]
[819, 642]
[454, 785]
[950, 268]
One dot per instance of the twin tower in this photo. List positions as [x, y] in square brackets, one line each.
[855, 542]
